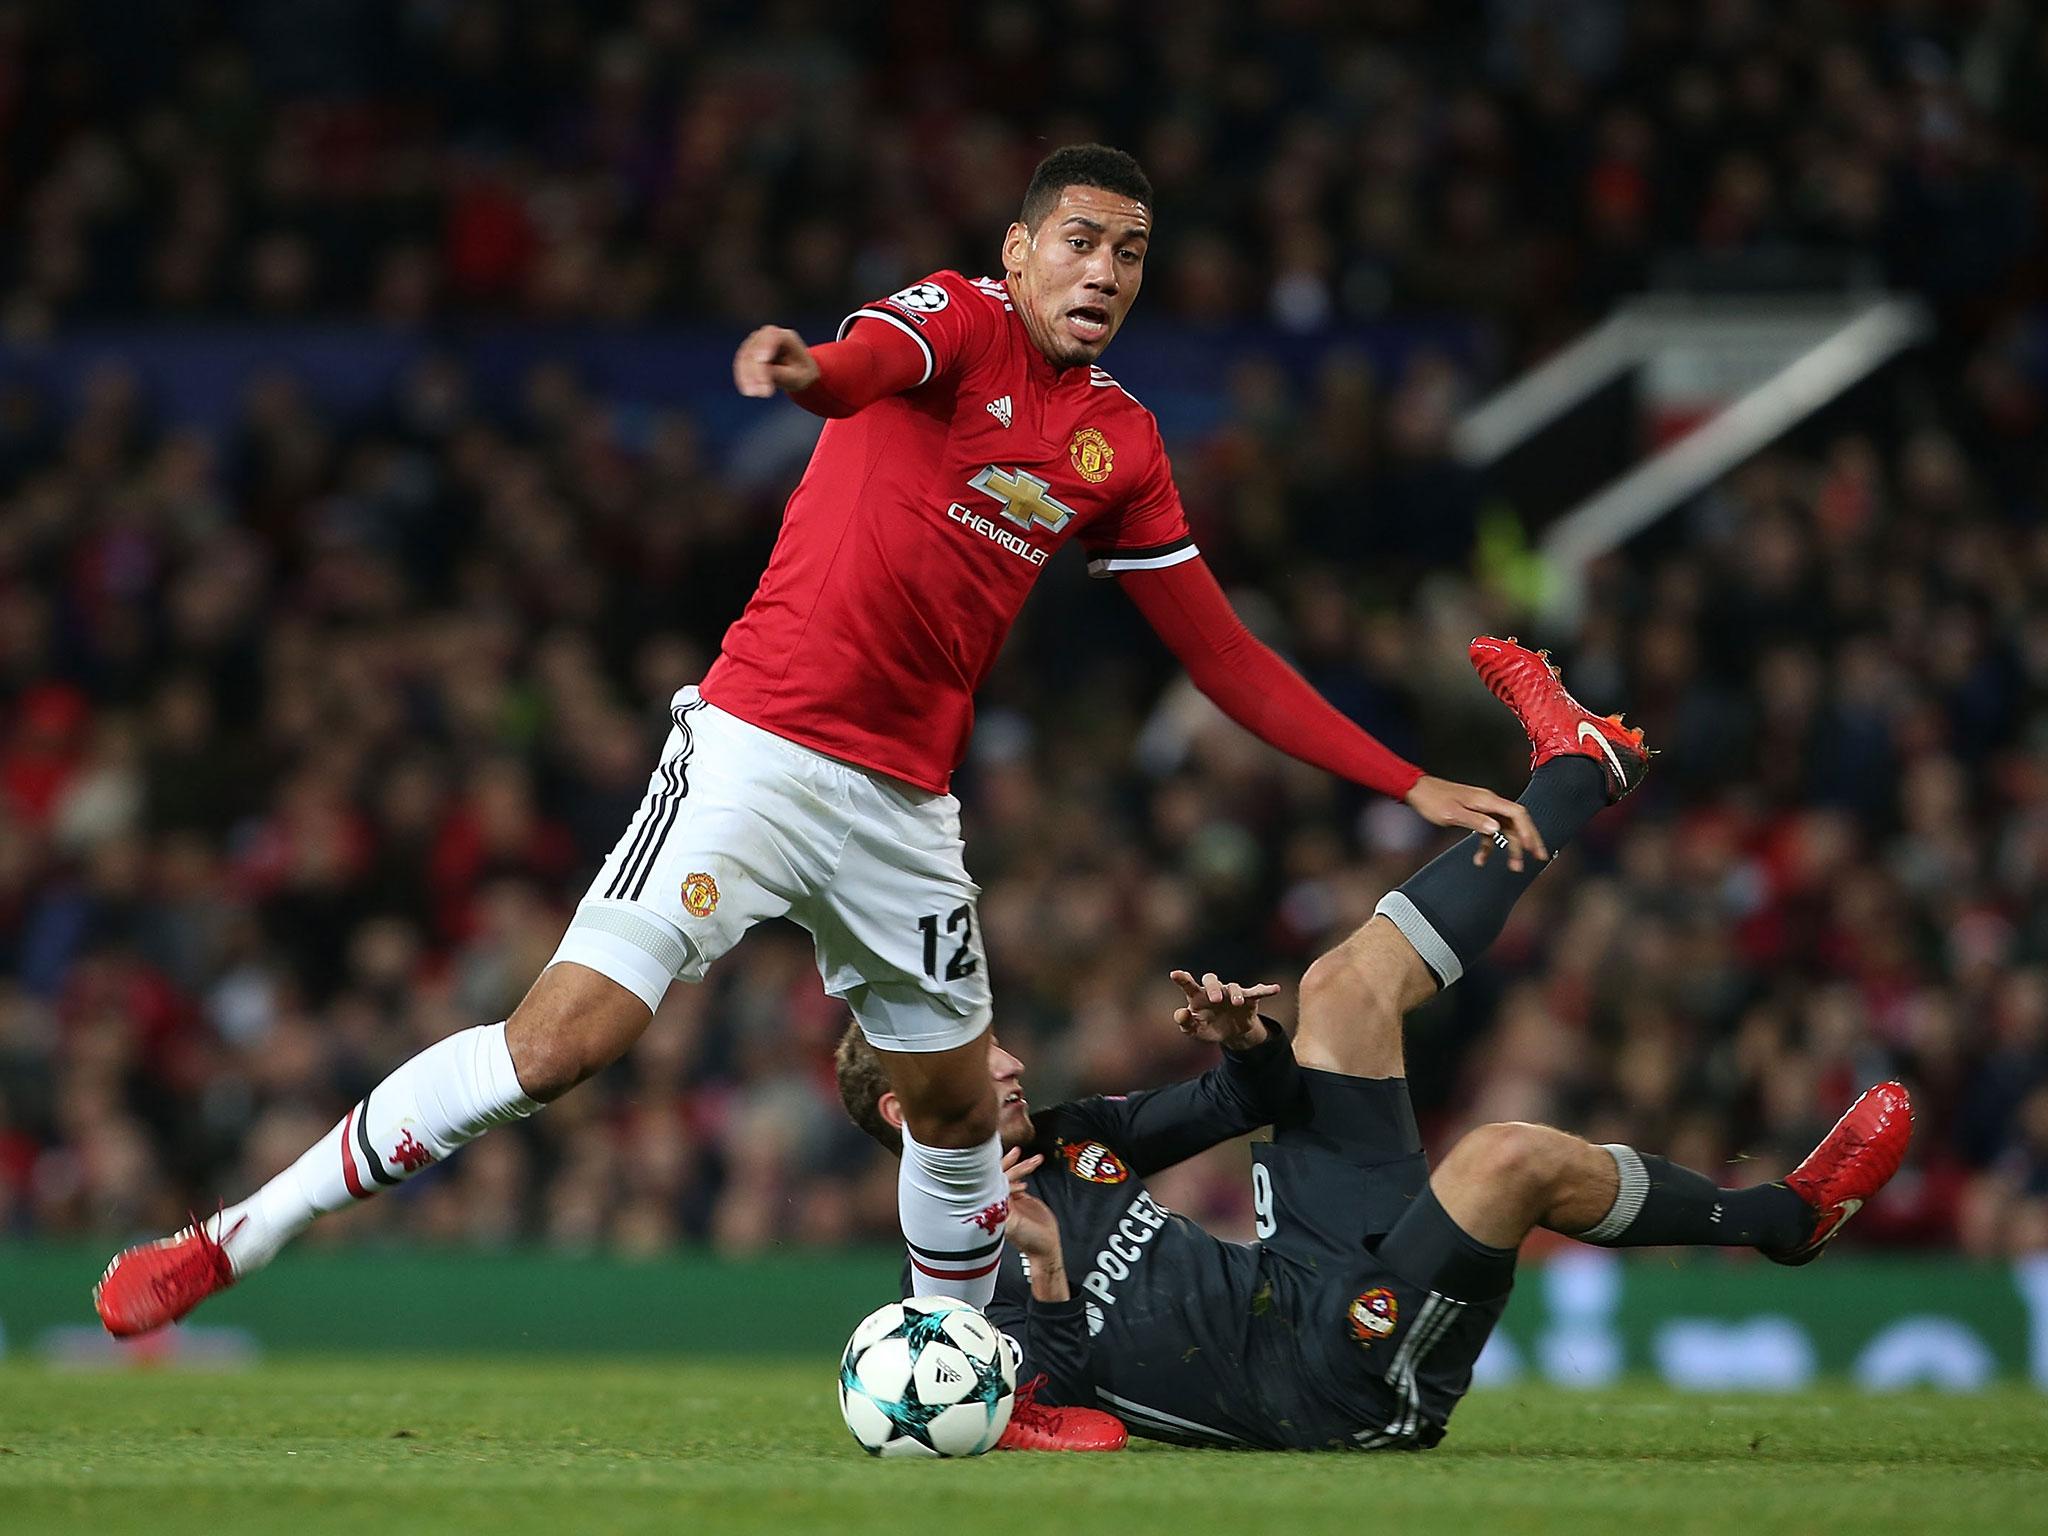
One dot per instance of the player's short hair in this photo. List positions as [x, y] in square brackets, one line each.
[862, 1082]
[1082, 165]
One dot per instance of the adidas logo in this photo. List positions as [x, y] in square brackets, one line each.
[945, 1375]
[1000, 409]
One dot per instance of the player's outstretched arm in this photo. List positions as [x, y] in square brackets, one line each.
[1187, 609]
[1500, 821]
[1255, 1084]
[835, 378]
[773, 358]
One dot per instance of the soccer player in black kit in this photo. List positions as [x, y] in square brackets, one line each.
[1355, 1318]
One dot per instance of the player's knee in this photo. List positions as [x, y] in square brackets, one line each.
[1339, 985]
[553, 1059]
[942, 1115]
[564, 1033]
[1350, 1019]
[1517, 1156]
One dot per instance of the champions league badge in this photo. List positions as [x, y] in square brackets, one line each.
[1092, 1161]
[1373, 1315]
[919, 300]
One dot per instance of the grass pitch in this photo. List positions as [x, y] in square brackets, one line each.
[572, 1446]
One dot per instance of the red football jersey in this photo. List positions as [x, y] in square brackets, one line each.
[920, 525]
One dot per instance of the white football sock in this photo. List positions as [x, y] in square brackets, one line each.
[449, 1094]
[954, 1203]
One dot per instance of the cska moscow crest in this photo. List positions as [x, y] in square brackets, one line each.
[1373, 1315]
[1092, 1161]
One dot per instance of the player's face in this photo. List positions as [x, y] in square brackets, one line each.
[1076, 275]
[1013, 1111]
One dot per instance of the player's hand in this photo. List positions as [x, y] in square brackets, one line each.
[773, 358]
[1017, 1167]
[1499, 823]
[1221, 1012]
[1033, 1230]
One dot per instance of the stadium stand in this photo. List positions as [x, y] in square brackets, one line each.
[316, 718]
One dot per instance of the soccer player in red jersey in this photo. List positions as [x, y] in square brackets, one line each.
[970, 435]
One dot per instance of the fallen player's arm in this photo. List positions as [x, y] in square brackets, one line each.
[1052, 1341]
[1188, 610]
[1223, 1012]
[1033, 1229]
[1050, 1328]
[835, 378]
[1255, 1084]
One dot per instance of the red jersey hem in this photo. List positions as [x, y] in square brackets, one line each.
[825, 749]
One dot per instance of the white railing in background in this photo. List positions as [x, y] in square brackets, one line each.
[1759, 367]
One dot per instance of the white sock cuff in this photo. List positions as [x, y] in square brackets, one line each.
[500, 1077]
[954, 1204]
[1628, 1199]
[450, 1094]
[966, 1167]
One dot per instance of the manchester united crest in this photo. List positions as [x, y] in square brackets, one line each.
[1093, 457]
[700, 895]
[1374, 1314]
[1092, 1161]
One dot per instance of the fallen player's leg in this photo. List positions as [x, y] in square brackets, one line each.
[1348, 1165]
[1503, 1181]
[1423, 1301]
[1443, 917]
[1579, 763]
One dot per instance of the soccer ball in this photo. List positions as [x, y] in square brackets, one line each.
[930, 1376]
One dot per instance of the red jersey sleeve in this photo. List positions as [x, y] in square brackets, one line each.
[1147, 533]
[856, 371]
[1188, 610]
[951, 321]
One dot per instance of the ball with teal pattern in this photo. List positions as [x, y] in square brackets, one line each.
[928, 1376]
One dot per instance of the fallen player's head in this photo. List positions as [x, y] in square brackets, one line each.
[864, 1090]
[1076, 255]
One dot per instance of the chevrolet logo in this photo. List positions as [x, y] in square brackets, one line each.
[1024, 497]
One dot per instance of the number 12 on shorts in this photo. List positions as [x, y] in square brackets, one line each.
[959, 921]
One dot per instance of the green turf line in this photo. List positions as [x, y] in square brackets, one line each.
[597, 1446]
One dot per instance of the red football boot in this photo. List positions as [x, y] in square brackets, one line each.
[156, 1283]
[1852, 1163]
[1035, 1426]
[1558, 724]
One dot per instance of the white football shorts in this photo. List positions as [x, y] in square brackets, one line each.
[739, 825]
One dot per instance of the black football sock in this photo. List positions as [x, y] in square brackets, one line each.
[1662, 1205]
[1452, 909]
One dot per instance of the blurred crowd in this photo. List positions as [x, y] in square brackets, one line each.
[313, 736]
[312, 730]
[406, 161]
